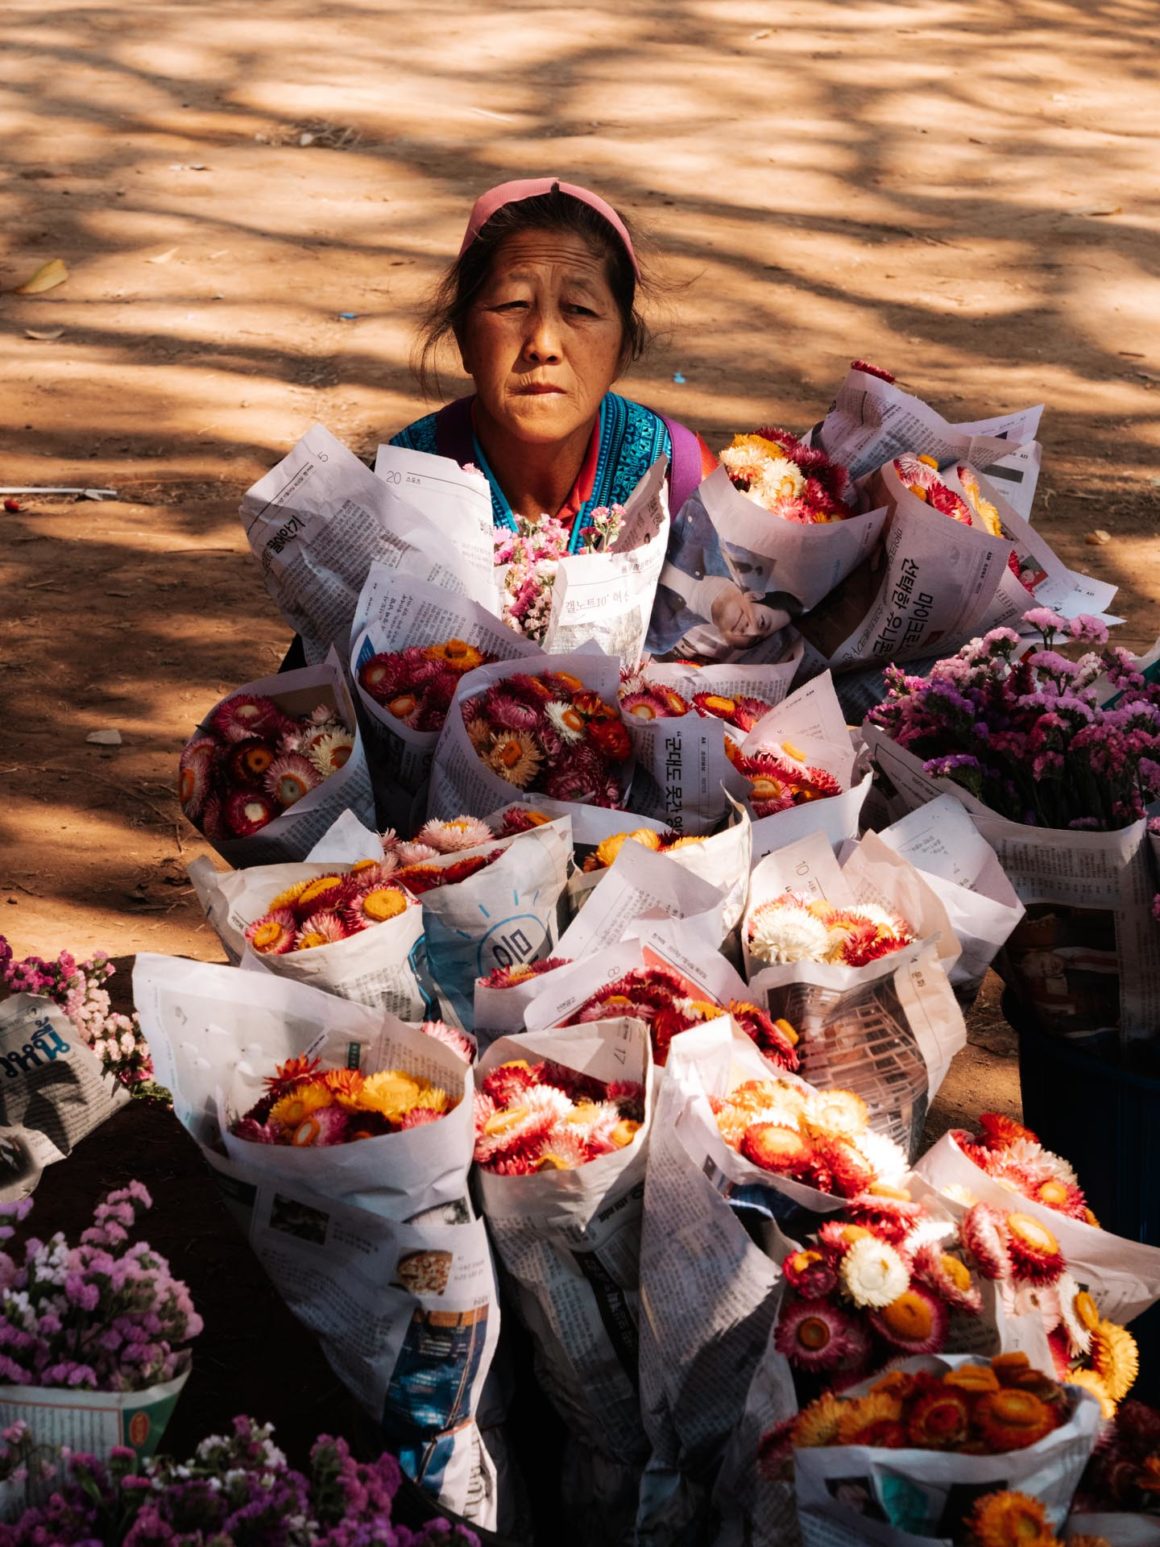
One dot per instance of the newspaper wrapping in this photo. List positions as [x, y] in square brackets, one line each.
[377, 966]
[735, 575]
[87, 1422]
[54, 1094]
[319, 519]
[1122, 1276]
[722, 859]
[503, 916]
[849, 1495]
[290, 835]
[889, 1030]
[570, 1243]
[599, 950]
[640, 882]
[709, 1291]
[681, 762]
[963, 871]
[608, 597]
[396, 611]
[936, 582]
[1086, 955]
[374, 1245]
[871, 421]
[461, 784]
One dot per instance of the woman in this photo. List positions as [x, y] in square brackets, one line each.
[541, 303]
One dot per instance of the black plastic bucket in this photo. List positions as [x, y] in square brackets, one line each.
[1105, 1120]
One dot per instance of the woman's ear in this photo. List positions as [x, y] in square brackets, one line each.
[464, 352]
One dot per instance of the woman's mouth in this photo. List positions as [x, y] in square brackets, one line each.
[537, 389]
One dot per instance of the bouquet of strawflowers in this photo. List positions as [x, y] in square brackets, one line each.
[797, 928]
[528, 555]
[236, 1490]
[548, 732]
[1023, 1439]
[660, 998]
[271, 762]
[256, 761]
[789, 479]
[102, 1316]
[79, 989]
[416, 685]
[543, 1116]
[306, 1105]
[821, 1139]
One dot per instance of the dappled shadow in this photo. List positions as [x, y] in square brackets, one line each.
[962, 191]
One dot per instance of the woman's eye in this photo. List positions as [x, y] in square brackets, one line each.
[510, 306]
[581, 311]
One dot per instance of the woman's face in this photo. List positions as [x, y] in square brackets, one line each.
[543, 338]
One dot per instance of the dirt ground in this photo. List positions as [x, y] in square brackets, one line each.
[252, 201]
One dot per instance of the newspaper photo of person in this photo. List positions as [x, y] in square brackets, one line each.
[714, 603]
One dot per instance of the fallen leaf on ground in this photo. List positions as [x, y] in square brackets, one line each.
[46, 335]
[163, 257]
[109, 738]
[47, 277]
[1098, 538]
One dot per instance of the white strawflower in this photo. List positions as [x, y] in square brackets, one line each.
[1078, 1336]
[885, 1158]
[781, 480]
[781, 932]
[873, 1273]
[562, 718]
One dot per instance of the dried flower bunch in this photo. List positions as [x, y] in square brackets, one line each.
[545, 1117]
[820, 1137]
[792, 928]
[658, 997]
[1124, 1470]
[306, 1105]
[323, 909]
[983, 1409]
[549, 732]
[780, 778]
[100, 1316]
[530, 552]
[645, 701]
[236, 1490]
[608, 848]
[1013, 1155]
[522, 972]
[415, 686]
[255, 761]
[1025, 732]
[920, 475]
[789, 479]
[79, 989]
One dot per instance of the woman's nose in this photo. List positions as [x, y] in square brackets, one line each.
[542, 342]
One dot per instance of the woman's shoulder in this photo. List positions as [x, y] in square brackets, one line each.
[417, 436]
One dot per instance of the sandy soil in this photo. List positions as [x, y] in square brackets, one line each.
[964, 192]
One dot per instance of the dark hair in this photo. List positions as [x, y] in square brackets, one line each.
[554, 211]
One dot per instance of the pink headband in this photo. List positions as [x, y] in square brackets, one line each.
[530, 188]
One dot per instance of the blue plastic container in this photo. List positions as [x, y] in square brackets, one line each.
[1106, 1121]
